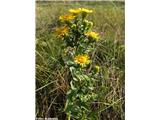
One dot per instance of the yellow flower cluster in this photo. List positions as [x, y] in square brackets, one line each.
[92, 35]
[62, 31]
[68, 17]
[82, 60]
[80, 10]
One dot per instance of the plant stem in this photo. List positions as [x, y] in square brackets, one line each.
[69, 117]
[66, 104]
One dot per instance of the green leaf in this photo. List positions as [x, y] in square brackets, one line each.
[71, 94]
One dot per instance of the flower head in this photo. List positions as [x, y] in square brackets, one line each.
[62, 31]
[80, 10]
[97, 68]
[75, 11]
[68, 17]
[86, 10]
[92, 35]
[82, 60]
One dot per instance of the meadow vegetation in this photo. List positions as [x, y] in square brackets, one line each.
[53, 79]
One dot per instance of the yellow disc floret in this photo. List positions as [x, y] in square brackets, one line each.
[82, 60]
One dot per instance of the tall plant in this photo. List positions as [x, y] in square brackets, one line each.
[79, 42]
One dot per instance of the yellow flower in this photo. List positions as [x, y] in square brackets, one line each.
[92, 35]
[75, 11]
[97, 68]
[68, 17]
[62, 31]
[86, 10]
[80, 10]
[82, 60]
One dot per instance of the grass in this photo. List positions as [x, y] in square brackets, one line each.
[51, 77]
